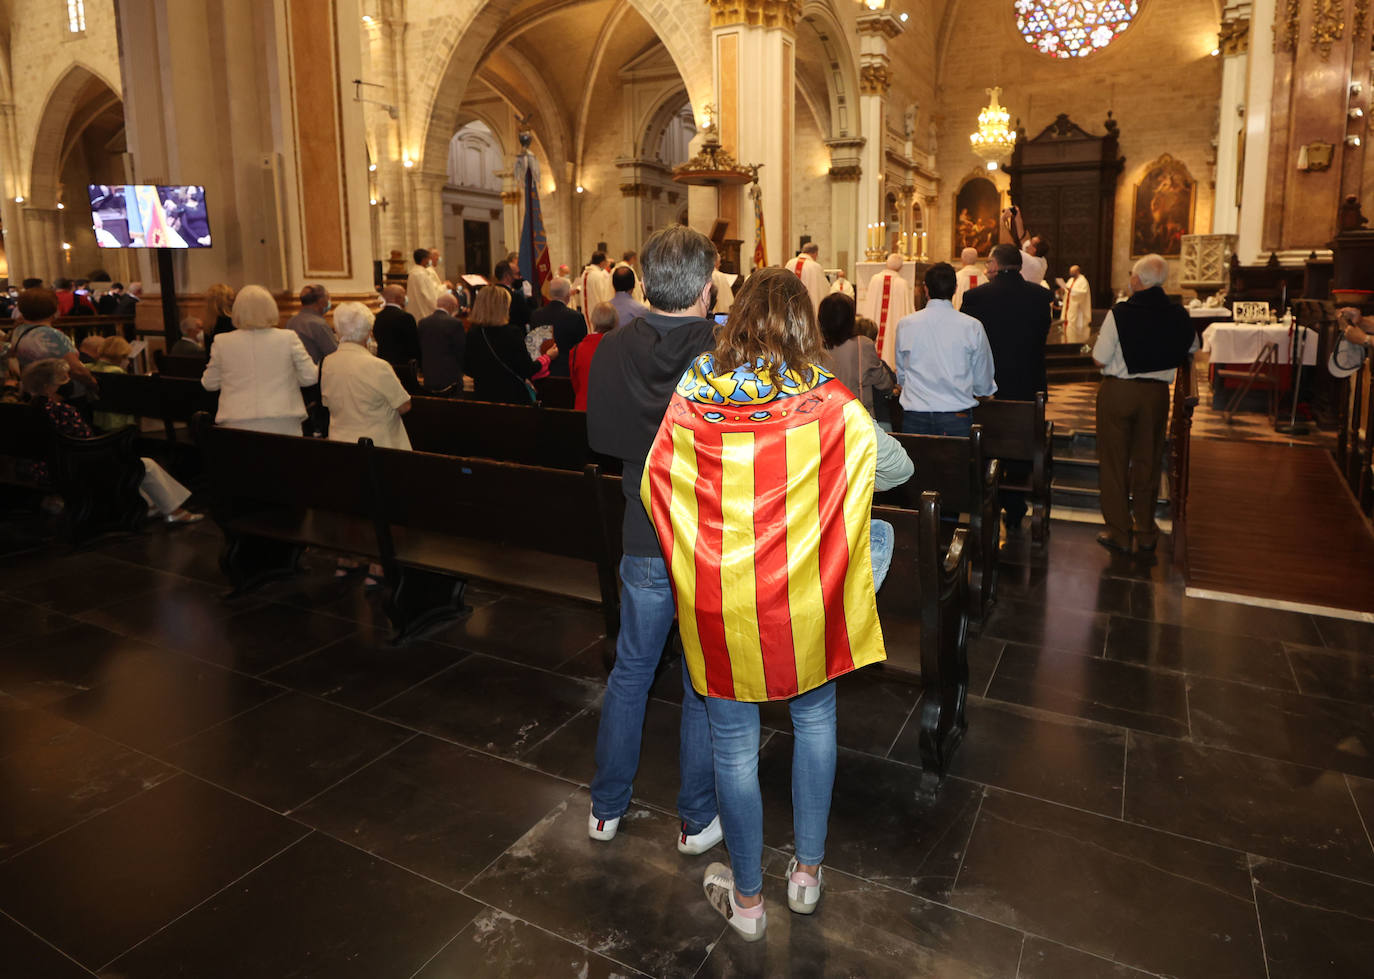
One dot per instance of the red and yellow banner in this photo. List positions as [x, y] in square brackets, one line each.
[760, 490]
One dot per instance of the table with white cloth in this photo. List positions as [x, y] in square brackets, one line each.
[1234, 346]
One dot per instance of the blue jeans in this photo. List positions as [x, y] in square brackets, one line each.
[880, 541]
[735, 744]
[646, 619]
[938, 422]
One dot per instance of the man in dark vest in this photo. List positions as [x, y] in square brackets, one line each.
[1016, 317]
[1143, 341]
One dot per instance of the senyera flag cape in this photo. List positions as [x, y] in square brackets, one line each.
[760, 489]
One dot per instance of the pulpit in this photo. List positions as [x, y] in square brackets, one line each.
[1064, 181]
[727, 248]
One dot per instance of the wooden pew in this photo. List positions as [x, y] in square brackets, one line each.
[169, 399]
[97, 478]
[553, 437]
[169, 366]
[1017, 431]
[923, 607]
[80, 327]
[409, 377]
[956, 469]
[433, 522]
[555, 392]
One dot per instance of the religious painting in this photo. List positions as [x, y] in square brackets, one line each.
[977, 207]
[1163, 212]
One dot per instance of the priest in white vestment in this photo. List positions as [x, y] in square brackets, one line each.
[595, 283]
[630, 260]
[725, 293]
[970, 276]
[843, 286]
[888, 299]
[808, 269]
[422, 286]
[1078, 306]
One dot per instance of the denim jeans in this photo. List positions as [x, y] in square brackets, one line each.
[735, 743]
[880, 541]
[938, 422]
[646, 618]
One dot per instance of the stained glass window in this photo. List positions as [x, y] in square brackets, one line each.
[76, 16]
[1073, 28]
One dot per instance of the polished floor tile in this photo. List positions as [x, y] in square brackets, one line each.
[1271, 808]
[258, 639]
[363, 669]
[363, 918]
[190, 555]
[1092, 688]
[1199, 651]
[1126, 893]
[26, 955]
[1044, 755]
[526, 631]
[94, 587]
[139, 865]
[492, 704]
[983, 655]
[871, 707]
[178, 619]
[1333, 673]
[879, 828]
[27, 624]
[1315, 926]
[1345, 634]
[64, 775]
[1312, 731]
[1041, 959]
[417, 807]
[862, 929]
[1098, 593]
[634, 900]
[151, 704]
[1173, 606]
[70, 660]
[283, 752]
[497, 945]
[1072, 630]
[1362, 791]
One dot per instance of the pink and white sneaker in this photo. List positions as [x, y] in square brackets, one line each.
[719, 885]
[803, 890]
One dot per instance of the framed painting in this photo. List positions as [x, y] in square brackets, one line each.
[1163, 212]
[977, 209]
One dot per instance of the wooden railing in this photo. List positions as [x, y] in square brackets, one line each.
[1180, 435]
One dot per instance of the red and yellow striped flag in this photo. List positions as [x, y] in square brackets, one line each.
[760, 489]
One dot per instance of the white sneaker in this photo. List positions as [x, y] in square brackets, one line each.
[719, 885]
[602, 829]
[700, 842]
[803, 890]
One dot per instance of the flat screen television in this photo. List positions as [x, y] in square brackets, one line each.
[149, 216]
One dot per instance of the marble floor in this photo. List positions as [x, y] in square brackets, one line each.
[1151, 785]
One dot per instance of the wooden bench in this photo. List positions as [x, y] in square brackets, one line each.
[1018, 432]
[97, 478]
[433, 522]
[80, 327]
[923, 607]
[552, 437]
[169, 366]
[169, 399]
[956, 469]
[555, 392]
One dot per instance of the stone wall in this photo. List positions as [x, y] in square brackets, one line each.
[1157, 77]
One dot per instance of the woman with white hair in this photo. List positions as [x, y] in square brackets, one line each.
[364, 397]
[259, 370]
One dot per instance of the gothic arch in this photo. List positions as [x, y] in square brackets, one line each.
[49, 139]
[841, 73]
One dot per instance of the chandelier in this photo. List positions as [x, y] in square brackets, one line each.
[714, 166]
[994, 139]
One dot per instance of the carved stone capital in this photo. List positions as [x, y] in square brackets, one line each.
[1234, 36]
[881, 24]
[755, 13]
[634, 190]
[874, 79]
[846, 173]
[510, 197]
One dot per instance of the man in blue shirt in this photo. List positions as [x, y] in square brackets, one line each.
[944, 362]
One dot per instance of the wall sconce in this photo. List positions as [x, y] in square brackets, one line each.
[1352, 140]
[1356, 88]
[407, 162]
[381, 202]
[19, 199]
[581, 189]
[61, 206]
[1356, 112]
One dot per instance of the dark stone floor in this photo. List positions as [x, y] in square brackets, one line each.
[1151, 785]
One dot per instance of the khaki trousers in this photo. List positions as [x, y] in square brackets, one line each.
[1131, 421]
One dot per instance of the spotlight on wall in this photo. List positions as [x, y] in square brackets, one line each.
[992, 164]
[367, 19]
[1356, 112]
[407, 162]
[1355, 89]
[580, 188]
[66, 246]
[372, 168]
[1352, 141]
[19, 199]
[902, 16]
[61, 206]
[1215, 52]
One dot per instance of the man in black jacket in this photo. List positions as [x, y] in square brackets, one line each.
[632, 379]
[443, 344]
[504, 276]
[569, 326]
[1016, 317]
[398, 341]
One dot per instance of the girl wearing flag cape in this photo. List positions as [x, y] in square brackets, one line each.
[760, 487]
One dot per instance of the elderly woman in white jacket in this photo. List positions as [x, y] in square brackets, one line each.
[364, 397]
[259, 370]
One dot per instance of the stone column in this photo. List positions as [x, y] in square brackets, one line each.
[42, 237]
[510, 216]
[754, 51]
[1233, 41]
[875, 77]
[428, 195]
[248, 98]
[636, 206]
[1254, 145]
[846, 231]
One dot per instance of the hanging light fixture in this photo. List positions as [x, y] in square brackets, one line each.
[994, 139]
